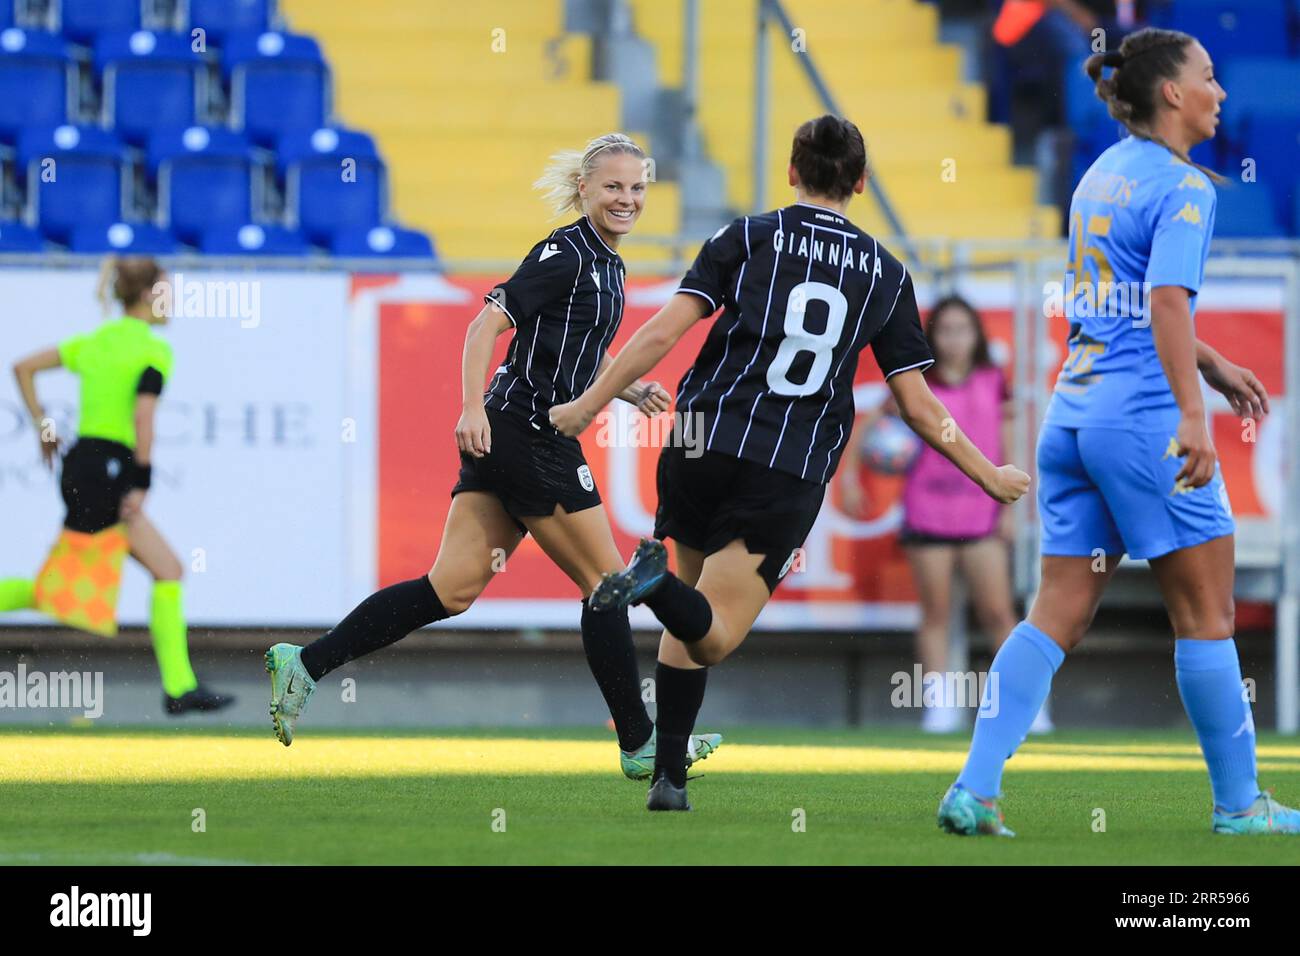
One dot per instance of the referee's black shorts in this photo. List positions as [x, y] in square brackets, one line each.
[711, 500]
[96, 477]
[530, 469]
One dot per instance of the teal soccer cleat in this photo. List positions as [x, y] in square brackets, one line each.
[640, 764]
[643, 573]
[965, 814]
[291, 688]
[1264, 816]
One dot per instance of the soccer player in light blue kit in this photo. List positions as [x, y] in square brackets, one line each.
[1125, 459]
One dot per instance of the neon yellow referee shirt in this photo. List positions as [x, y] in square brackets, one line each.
[109, 361]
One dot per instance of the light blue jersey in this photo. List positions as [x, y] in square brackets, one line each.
[1107, 455]
[1140, 218]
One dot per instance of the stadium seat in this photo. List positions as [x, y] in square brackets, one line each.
[15, 237]
[1246, 210]
[1083, 111]
[73, 176]
[278, 82]
[205, 179]
[385, 242]
[82, 21]
[1260, 86]
[37, 77]
[6, 14]
[220, 18]
[324, 194]
[151, 80]
[252, 239]
[1230, 27]
[130, 237]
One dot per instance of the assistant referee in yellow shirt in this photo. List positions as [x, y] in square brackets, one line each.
[122, 367]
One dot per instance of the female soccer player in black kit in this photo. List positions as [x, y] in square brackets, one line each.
[802, 292]
[518, 474]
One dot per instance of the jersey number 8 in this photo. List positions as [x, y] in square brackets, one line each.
[799, 339]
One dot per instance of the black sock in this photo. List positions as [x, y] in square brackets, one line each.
[611, 655]
[680, 694]
[383, 618]
[680, 608]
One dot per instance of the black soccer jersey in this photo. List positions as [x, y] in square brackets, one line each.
[565, 301]
[802, 292]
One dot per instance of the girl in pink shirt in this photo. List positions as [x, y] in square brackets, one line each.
[949, 525]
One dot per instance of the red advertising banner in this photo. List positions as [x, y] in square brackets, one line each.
[854, 574]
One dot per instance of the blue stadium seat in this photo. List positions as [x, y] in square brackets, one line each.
[151, 80]
[334, 179]
[125, 237]
[84, 20]
[15, 237]
[1083, 111]
[1260, 86]
[220, 18]
[383, 242]
[6, 14]
[1246, 210]
[36, 80]
[73, 175]
[251, 239]
[205, 179]
[1230, 27]
[278, 82]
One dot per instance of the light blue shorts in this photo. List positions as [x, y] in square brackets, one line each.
[1112, 490]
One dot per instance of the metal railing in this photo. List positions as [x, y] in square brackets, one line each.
[771, 12]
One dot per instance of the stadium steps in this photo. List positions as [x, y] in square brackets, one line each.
[886, 68]
[466, 130]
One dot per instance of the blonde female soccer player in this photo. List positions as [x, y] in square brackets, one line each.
[122, 366]
[519, 475]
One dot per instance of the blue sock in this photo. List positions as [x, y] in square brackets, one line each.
[1209, 681]
[1018, 683]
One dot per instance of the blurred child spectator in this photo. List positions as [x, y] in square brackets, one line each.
[949, 525]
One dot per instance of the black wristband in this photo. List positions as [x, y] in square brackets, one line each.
[141, 476]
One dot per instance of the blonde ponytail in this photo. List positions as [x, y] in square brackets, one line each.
[559, 182]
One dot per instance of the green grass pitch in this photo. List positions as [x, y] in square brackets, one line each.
[85, 795]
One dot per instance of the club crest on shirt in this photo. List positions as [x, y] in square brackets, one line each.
[584, 478]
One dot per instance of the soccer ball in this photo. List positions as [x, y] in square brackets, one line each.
[889, 446]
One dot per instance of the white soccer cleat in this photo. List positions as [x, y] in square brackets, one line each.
[291, 687]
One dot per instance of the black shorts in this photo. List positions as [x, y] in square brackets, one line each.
[709, 501]
[96, 477]
[530, 469]
[914, 538]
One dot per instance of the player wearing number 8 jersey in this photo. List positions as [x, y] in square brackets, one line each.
[1125, 459]
[802, 291]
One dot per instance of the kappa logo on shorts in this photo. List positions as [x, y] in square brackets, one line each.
[114, 467]
[584, 478]
[1223, 495]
